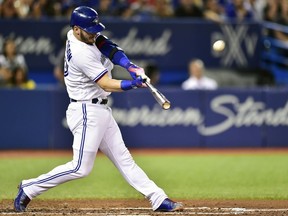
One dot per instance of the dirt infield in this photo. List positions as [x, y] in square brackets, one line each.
[184, 151]
[142, 207]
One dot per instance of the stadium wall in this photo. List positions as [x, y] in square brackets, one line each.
[220, 118]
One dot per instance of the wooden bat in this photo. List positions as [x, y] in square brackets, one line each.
[159, 97]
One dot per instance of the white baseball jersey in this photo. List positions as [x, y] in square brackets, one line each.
[84, 65]
[92, 126]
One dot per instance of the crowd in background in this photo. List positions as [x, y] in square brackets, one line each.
[13, 68]
[216, 10]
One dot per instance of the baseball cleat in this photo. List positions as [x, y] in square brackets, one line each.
[21, 201]
[169, 206]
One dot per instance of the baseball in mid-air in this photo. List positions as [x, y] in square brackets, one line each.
[219, 45]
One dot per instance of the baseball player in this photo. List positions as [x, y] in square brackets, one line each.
[89, 59]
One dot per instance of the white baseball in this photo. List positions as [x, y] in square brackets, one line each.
[219, 45]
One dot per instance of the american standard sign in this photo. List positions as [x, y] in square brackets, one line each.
[228, 110]
[219, 118]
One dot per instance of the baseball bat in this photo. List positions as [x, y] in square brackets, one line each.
[159, 97]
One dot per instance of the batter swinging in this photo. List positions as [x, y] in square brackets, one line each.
[87, 70]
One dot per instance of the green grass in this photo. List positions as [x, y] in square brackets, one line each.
[214, 176]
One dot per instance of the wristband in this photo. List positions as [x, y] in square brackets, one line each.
[131, 84]
[126, 85]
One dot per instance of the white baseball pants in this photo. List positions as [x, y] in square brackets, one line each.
[94, 127]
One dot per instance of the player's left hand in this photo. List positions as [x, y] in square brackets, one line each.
[132, 84]
[137, 83]
[136, 71]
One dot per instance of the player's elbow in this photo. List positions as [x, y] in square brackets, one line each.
[104, 82]
[106, 88]
[108, 84]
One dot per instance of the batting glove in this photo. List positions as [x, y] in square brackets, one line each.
[131, 84]
[136, 71]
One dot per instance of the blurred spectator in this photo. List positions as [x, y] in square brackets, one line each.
[277, 11]
[76, 3]
[271, 14]
[5, 76]
[20, 79]
[152, 71]
[187, 8]
[10, 60]
[136, 9]
[7, 10]
[199, 3]
[271, 10]
[143, 10]
[283, 20]
[236, 10]
[213, 11]
[23, 8]
[256, 7]
[67, 8]
[124, 11]
[196, 79]
[164, 9]
[37, 9]
[105, 8]
[58, 63]
[59, 67]
[45, 8]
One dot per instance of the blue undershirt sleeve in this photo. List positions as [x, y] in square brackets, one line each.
[112, 51]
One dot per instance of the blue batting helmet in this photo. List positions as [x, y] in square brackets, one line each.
[87, 19]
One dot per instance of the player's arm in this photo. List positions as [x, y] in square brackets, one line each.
[118, 57]
[112, 85]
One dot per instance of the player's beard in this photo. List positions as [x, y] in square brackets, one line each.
[87, 39]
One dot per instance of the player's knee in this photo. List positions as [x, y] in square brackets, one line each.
[83, 172]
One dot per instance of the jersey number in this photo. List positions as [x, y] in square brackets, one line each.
[65, 68]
